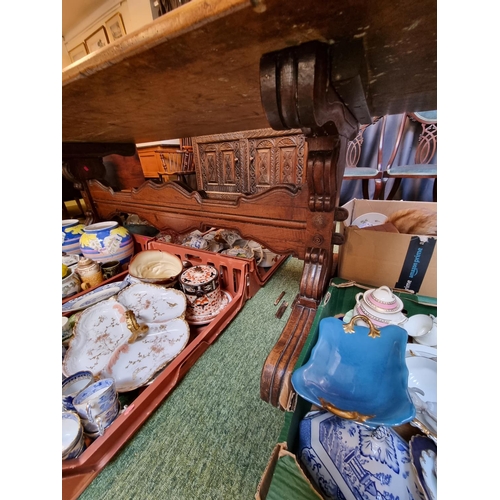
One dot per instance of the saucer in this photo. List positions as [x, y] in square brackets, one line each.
[203, 319]
[369, 219]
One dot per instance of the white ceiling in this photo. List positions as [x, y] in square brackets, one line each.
[73, 11]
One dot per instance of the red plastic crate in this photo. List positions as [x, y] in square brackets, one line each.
[77, 474]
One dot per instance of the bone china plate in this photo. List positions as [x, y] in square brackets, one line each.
[101, 336]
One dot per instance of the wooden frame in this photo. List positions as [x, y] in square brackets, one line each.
[78, 52]
[97, 40]
[115, 27]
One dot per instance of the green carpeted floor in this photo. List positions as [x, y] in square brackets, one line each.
[212, 438]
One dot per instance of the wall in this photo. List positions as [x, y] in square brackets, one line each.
[135, 14]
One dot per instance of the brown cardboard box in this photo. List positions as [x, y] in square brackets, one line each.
[379, 258]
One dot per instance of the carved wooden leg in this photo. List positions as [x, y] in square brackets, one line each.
[297, 93]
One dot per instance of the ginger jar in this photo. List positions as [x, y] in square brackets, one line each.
[107, 241]
[72, 230]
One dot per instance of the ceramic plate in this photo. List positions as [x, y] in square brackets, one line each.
[206, 318]
[421, 350]
[100, 344]
[364, 377]
[102, 293]
[423, 375]
[369, 219]
[423, 455]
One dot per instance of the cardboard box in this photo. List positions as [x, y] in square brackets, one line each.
[376, 258]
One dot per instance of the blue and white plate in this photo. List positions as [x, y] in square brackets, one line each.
[423, 454]
[102, 293]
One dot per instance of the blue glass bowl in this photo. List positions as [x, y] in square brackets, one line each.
[358, 373]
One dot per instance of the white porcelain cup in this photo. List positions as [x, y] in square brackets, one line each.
[418, 325]
[430, 338]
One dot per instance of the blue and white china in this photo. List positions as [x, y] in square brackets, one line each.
[93, 297]
[96, 398]
[358, 373]
[71, 284]
[97, 423]
[74, 384]
[71, 232]
[73, 442]
[144, 328]
[350, 461]
[107, 241]
[423, 453]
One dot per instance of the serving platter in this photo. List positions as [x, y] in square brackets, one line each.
[93, 297]
[104, 344]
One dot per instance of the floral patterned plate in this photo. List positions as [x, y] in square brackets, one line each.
[89, 299]
[103, 343]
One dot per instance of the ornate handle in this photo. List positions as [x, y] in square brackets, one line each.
[349, 327]
[138, 331]
[348, 415]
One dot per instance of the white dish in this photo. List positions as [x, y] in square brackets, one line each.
[369, 219]
[100, 344]
[421, 350]
[206, 318]
[102, 293]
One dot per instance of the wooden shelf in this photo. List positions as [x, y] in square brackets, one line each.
[195, 70]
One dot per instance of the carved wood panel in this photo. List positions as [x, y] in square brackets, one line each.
[248, 162]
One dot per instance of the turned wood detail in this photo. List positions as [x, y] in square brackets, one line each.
[297, 93]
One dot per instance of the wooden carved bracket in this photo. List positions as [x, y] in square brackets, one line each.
[298, 91]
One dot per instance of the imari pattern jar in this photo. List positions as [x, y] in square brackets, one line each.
[107, 241]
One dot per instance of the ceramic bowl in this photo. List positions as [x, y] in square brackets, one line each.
[72, 435]
[429, 338]
[74, 384]
[358, 373]
[350, 461]
[418, 325]
[156, 266]
[378, 319]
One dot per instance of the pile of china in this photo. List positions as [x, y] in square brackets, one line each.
[89, 406]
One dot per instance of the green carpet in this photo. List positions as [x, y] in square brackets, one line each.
[212, 438]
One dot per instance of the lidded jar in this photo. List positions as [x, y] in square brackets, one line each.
[107, 241]
[201, 286]
[381, 306]
[90, 272]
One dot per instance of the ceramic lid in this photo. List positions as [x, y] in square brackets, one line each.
[383, 300]
[199, 275]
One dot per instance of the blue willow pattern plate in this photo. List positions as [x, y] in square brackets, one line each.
[102, 293]
[358, 373]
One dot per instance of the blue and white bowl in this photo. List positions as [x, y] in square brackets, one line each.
[96, 398]
[352, 461]
[73, 441]
[71, 233]
[73, 385]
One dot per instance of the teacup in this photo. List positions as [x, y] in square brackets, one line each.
[268, 258]
[430, 338]
[73, 385]
[96, 398]
[198, 242]
[71, 284]
[110, 269]
[418, 325]
[73, 441]
[97, 423]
